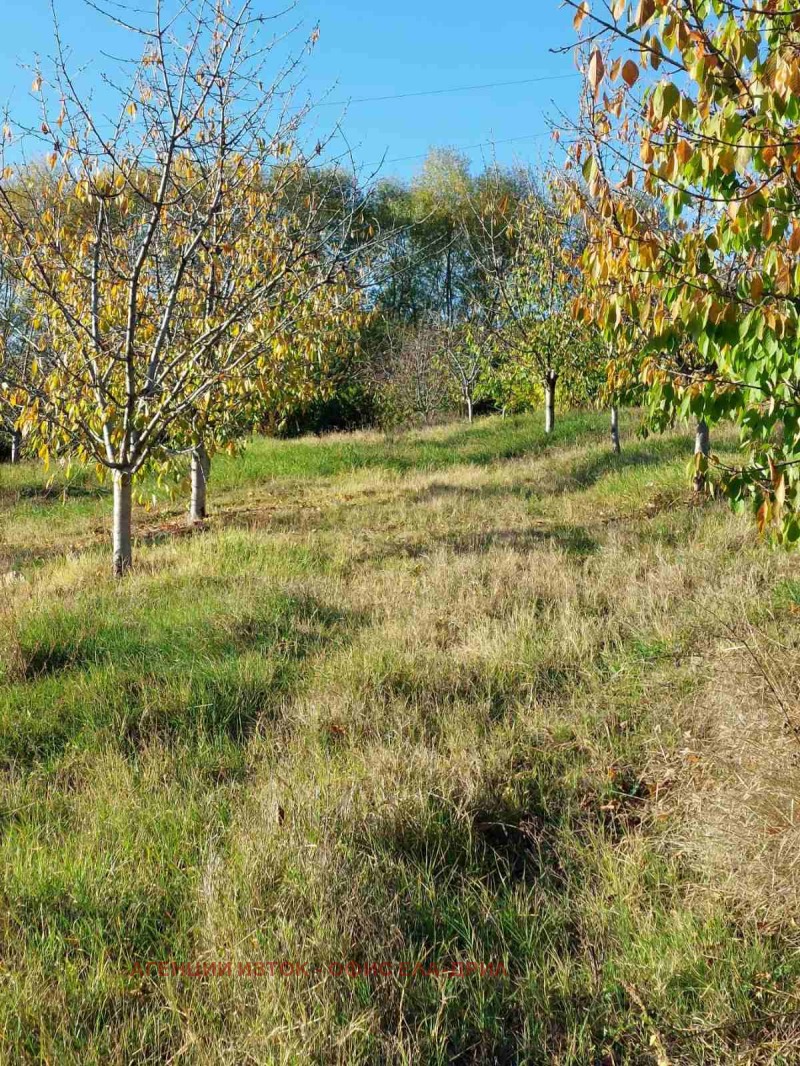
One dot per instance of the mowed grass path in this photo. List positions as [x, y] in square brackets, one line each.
[465, 695]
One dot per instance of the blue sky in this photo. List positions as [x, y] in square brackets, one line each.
[368, 48]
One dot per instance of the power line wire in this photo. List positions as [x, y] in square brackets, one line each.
[442, 92]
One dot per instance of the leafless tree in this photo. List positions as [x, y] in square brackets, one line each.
[412, 373]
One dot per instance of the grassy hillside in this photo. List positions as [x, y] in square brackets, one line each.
[461, 696]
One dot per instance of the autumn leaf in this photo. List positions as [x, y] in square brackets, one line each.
[630, 73]
[683, 152]
[596, 71]
[780, 493]
[763, 515]
[645, 12]
[580, 15]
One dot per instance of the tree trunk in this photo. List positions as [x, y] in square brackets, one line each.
[615, 447]
[702, 450]
[16, 445]
[121, 536]
[201, 469]
[468, 401]
[550, 380]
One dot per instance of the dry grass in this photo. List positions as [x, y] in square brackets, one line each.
[741, 817]
[465, 695]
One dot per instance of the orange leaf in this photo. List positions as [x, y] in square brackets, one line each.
[684, 152]
[580, 15]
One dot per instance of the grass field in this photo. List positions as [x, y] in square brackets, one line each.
[460, 696]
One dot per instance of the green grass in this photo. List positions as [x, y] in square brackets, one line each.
[453, 696]
[486, 441]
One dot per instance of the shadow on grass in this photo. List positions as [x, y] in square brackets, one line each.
[58, 493]
[486, 441]
[508, 879]
[576, 541]
[512, 846]
[250, 684]
[641, 454]
[580, 475]
[138, 683]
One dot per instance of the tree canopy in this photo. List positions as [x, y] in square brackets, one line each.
[695, 106]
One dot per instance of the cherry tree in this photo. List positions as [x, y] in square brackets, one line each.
[170, 252]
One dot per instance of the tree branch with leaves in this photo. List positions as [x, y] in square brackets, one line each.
[165, 259]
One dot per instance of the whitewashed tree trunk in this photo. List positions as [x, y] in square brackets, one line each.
[702, 447]
[468, 401]
[16, 446]
[615, 446]
[121, 534]
[550, 380]
[201, 470]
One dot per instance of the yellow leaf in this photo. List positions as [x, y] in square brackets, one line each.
[763, 516]
[780, 492]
